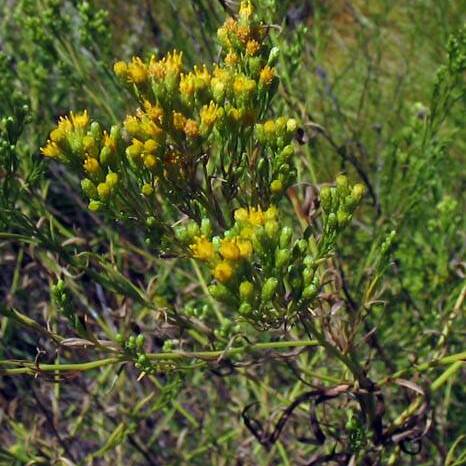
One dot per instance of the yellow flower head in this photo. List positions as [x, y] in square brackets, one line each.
[120, 68]
[191, 129]
[150, 146]
[209, 115]
[256, 216]
[170, 65]
[65, 125]
[243, 32]
[252, 47]
[223, 271]
[271, 213]
[137, 71]
[231, 58]
[229, 250]
[51, 150]
[157, 69]
[174, 62]
[91, 166]
[241, 214]
[246, 9]
[80, 120]
[135, 149]
[223, 37]
[110, 142]
[243, 85]
[149, 161]
[90, 146]
[270, 128]
[131, 125]
[245, 248]
[154, 112]
[201, 77]
[58, 134]
[202, 248]
[266, 76]
[179, 120]
[187, 85]
[147, 189]
[247, 232]
[150, 129]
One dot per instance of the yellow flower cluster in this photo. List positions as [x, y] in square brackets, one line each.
[137, 72]
[226, 255]
[185, 132]
[189, 105]
[66, 136]
[84, 146]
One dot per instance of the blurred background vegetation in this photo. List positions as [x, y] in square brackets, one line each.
[378, 88]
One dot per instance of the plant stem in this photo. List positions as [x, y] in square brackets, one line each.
[29, 367]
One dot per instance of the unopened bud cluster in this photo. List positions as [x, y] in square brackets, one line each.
[133, 346]
[338, 204]
[257, 267]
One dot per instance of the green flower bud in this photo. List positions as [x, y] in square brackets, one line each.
[291, 126]
[259, 240]
[96, 131]
[358, 191]
[216, 241]
[280, 126]
[269, 288]
[255, 65]
[310, 292]
[276, 186]
[302, 245]
[192, 229]
[285, 237]
[111, 179]
[104, 190]
[308, 275]
[105, 156]
[142, 360]
[284, 168]
[89, 188]
[131, 343]
[147, 189]
[342, 185]
[271, 228]
[282, 257]
[245, 309]
[115, 132]
[222, 293]
[326, 198]
[246, 290]
[181, 234]
[229, 234]
[308, 261]
[140, 339]
[350, 202]
[206, 227]
[94, 206]
[151, 221]
[332, 221]
[343, 218]
[273, 56]
[288, 151]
